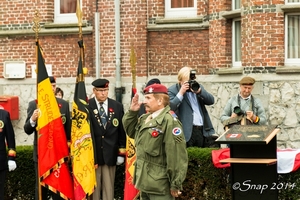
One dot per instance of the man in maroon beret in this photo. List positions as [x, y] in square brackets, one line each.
[161, 158]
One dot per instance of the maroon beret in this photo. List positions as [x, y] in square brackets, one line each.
[156, 88]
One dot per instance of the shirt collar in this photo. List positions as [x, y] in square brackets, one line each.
[247, 98]
[156, 113]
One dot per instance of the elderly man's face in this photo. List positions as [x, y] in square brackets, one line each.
[151, 103]
[101, 94]
[245, 90]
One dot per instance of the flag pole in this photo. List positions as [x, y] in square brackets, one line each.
[36, 28]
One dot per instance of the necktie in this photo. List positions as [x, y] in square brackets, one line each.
[102, 115]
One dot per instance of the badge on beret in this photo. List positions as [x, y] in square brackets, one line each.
[1, 124]
[176, 131]
[63, 118]
[115, 122]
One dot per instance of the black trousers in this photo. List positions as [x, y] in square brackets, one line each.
[2, 182]
[197, 138]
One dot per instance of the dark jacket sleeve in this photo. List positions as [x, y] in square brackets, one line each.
[27, 126]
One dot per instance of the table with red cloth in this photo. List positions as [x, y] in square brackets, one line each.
[288, 160]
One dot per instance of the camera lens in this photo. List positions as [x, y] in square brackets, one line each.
[237, 110]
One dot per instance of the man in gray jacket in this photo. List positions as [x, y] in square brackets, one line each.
[188, 99]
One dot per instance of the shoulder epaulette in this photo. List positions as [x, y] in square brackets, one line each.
[173, 113]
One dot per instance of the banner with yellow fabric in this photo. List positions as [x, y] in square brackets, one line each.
[82, 149]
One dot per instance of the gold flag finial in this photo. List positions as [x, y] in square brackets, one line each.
[36, 27]
[79, 17]
[133, 67]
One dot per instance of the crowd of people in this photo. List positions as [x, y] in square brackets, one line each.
[163, 125]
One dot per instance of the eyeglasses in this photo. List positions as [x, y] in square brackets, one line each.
[101, 90]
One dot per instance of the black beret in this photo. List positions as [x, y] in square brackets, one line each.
[152, 81]
[100, 83]
[52, 79]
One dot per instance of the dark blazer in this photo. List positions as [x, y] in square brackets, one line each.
[6, 134]
[109, 140]
[184, 110]
[65, 113]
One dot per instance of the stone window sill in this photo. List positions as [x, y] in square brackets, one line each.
[287, 70]
[231, 14]
[50, 29]
[165, 24]
[235, 70]
[290, 8]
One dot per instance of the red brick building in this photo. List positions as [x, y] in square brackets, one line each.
[166, 35]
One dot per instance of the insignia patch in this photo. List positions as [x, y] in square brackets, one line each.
[173, 113]
[63, 118]
[155, 132]
[150, 90]
[176, 131]
[115, 122]
[1, 124]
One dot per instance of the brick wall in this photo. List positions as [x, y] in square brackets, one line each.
[157, 52]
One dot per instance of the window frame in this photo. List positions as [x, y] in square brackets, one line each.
[234, 62]
[291, 3]
[233, 7]
[180, 12]
[63, 18]
[289, 61]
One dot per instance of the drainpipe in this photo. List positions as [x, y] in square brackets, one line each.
[97, 43]
[118, 88]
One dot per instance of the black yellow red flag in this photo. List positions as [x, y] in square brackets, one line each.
[130, 192]
[82, 150]
[52, 141]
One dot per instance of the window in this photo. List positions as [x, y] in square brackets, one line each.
[292, 39]
[65, 11]
[292, 1]
[236, 4]
[180, 8]
[236, 43]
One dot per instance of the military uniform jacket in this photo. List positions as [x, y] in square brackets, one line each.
[6, 134]
[108, 140]
[161, 156]
[66, 118]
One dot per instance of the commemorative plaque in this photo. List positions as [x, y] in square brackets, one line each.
[253, 159]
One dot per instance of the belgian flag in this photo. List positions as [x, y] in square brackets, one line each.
[52, 141]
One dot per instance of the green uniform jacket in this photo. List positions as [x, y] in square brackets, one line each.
[161, 156]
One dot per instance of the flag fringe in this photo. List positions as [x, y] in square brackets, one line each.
[55, 167]
[55, 191]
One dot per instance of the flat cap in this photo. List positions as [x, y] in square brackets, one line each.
[156, 88]
[247, 80]
[100, 83]
[153, 81]
[52, 79]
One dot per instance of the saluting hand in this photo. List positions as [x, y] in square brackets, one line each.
[135, 105]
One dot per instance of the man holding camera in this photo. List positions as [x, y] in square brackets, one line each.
[188, 99]
[244, 109]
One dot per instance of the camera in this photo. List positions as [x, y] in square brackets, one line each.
[237, 110]
[194, 85]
